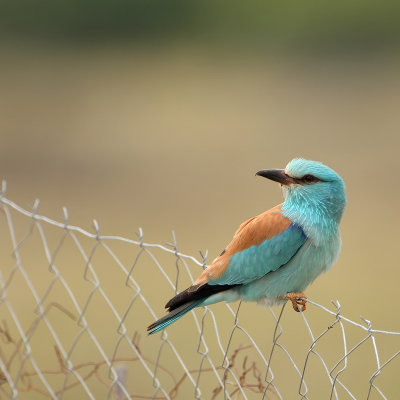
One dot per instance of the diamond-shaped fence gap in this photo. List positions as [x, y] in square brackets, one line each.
[218, 383]
[389, 355]
[66, 264]
[31, 382]
[88, 360]
[242, 355]
[206, 371]
[212, 351]
[283, 369]
[47, 356]
[105, 333]
[326, 355]
[326, 343]
[61, 315]
[360, 364]
[302, 362]
[187, 334]
[258, 331]
[18, 293]
[211, 374]
[385, 379]
[184, 371]
[155, 283]
[7, 246]
[387, 346]
[218, 328]
[12, 348]
[133, 363]
[246, 371]
[16, 356]
[100, 266]
[319, 382]
[219, 346]
[19, 265]
[22, 346]
[134, 323]
[162, 268]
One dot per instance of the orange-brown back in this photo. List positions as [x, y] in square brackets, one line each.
[252, 232]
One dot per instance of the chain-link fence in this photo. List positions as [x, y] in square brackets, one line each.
[74, 306]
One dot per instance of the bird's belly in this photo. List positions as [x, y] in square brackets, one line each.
[309, 262]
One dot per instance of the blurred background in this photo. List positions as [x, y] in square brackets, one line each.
[157, 115]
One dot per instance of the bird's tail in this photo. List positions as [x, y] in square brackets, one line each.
[172, 316]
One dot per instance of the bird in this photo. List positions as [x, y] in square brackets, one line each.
[274, 256]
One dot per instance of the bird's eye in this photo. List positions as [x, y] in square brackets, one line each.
[309, 178]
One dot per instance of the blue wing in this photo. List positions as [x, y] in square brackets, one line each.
[258, 260]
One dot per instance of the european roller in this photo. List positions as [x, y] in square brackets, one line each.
[274, 256]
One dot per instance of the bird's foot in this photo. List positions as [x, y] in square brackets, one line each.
[297, 299]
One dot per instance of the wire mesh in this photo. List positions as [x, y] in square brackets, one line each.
[74, 306]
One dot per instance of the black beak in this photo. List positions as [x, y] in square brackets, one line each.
[277, 175]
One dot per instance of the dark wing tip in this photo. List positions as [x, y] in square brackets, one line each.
[196, 292]
[150, 327]
[182, 297]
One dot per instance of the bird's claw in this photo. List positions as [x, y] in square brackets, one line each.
[299, 302]
[297, 299]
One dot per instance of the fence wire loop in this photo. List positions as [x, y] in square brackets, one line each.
[74, 305]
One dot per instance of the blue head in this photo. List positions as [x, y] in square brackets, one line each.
[314, 193]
